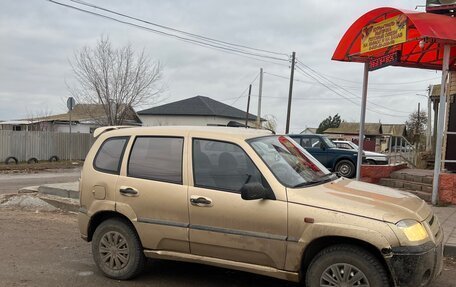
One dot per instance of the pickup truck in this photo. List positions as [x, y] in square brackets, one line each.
[339, 160]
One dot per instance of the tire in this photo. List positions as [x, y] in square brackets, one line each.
[9, 160]
[337, 260]
[345, 168]
[32, 160]
[118, 231]
[53, 158]
[371, 162]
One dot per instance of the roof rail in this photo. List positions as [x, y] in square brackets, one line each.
[101, 130]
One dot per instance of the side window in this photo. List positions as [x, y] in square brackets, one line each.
[157, 158]
[109, 156]
[315, 142]
[226, 168]
[344, 146]
[297, 139]
[305, 142]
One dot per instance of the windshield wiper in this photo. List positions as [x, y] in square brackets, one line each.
[322, 179]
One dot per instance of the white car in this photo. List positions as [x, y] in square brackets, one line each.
[371, 157]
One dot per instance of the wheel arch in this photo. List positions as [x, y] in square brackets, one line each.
[318, 244]
[102, 216]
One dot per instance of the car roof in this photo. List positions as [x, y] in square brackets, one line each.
[306, 135]
[210, 131]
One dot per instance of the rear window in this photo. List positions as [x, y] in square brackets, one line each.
[109, 156]
[157, 158]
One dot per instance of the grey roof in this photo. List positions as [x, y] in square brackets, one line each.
[198, 106]
[353, 129]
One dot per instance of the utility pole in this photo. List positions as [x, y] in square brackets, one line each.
[290, 91]
[429, 117]
[260, 92]
[418, 130]
[248, 107]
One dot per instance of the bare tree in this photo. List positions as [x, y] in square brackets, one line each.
[35, 118]
[115, 78]
[416, 126]
[270, 123]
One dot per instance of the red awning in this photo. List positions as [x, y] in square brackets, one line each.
[433, 29]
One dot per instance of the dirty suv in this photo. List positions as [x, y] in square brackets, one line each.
[251, 201]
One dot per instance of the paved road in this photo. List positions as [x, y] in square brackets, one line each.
[10, 183]
[44, 249]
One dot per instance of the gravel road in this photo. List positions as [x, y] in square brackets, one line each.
[10, 183]
[44, 249]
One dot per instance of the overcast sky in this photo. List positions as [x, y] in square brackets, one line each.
[38, 38]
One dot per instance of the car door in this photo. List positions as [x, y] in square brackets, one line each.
[317, 148]
[152, 189]
[222, 224]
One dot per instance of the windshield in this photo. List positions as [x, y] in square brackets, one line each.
[291, 164]
[328, 143]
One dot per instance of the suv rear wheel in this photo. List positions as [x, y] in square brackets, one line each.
[346, 265]
[117, 250]
[345, 168]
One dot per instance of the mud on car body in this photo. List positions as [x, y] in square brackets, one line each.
[248, 200]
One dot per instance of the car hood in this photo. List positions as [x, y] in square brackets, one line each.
[363, 199]
[344, 151]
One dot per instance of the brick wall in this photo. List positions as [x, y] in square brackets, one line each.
[447, 188]
[373, 173]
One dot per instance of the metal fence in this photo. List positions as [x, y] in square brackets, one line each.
[25, 145]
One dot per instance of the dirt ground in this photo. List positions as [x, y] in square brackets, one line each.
[44, 249]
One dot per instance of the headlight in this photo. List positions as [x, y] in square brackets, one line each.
[412, 229]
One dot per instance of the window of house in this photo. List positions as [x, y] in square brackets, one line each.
[223, 166]
[157, 158]
[109, 156]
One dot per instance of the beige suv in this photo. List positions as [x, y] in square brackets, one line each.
[252, 201]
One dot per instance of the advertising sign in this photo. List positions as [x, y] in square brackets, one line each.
[386, 33]
[384, 61]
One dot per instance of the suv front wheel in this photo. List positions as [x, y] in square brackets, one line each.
[346, 265]
[117, 250]
[345, 168]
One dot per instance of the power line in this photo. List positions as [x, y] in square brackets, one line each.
[242, 94]
[222, 48]
[348, 87]
[398, 83]
[177, 30]
[342, 95]
[342, 88]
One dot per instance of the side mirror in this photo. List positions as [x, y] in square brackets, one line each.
[255, 190]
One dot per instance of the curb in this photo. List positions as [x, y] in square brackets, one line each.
[58, 191]
[65, 204]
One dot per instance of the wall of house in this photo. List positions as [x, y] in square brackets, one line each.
[153, 120]
[75, 128]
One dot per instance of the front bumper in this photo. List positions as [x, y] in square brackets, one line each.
[416, 266]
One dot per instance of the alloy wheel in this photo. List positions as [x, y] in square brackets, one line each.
[113, 249]
[343, 275]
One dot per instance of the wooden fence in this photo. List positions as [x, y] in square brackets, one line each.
[24, 145]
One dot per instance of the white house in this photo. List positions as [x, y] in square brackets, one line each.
[84, 119]
[196, 111]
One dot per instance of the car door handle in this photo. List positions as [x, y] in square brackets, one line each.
[201, 201]
[128, 191]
